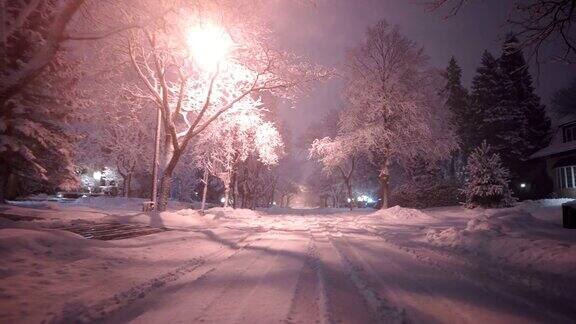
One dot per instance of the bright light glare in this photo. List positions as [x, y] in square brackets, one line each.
[209, 45]
[365, 198]
[97, 175]
[222, 200]
[522, 185]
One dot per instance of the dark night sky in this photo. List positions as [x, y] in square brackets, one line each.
[325, 30]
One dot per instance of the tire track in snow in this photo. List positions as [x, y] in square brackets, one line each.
[309, 300]
[344, 302]
[253, 286]
[491, 279]
[238, 297]
[381, 289]
[429, 293]
[76, 312]
[384, 311]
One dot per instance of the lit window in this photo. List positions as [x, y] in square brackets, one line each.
[566, 177]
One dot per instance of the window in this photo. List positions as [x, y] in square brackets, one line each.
[569, 133]
[566, 177]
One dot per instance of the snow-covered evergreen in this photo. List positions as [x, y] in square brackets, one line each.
[506, 112]
[33, 145]
[486, 180]
[457, 102]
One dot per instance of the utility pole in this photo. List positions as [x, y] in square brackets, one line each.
[156, 165]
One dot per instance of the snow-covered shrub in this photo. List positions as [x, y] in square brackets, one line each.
[426, 194]
[487, 180]
[426, 185]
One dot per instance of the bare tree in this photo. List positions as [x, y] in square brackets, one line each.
[191, 96]
[536, 22]
[394, 111]
[338, 157]
[228, 142]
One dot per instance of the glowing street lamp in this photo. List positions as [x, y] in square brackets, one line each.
[209, 45]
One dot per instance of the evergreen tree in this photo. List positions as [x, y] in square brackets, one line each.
[486, 180]
[522, 106]
[506, 111]
[484, 100]
[457, 104]
[564, 100]
[456, 97]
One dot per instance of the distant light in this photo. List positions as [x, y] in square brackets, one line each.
[348, 200]
[97, 175]
[365, 198]
[522, 185]
[222, 200]
[274, 203]
[60, 195]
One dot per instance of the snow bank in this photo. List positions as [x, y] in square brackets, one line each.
[123, 203]
[403, 215]
[14, 241]
[37, 246]
[513, 236]
[545, 209]
[229, 212]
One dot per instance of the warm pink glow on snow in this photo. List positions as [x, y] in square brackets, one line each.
[209, 45]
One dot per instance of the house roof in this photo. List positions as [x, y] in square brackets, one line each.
[557, 145]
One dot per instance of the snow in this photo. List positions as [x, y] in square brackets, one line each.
[514, 236]
[557, 144]
[402, 215]
[298, 265]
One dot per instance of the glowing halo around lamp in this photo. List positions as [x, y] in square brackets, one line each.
[209, 45]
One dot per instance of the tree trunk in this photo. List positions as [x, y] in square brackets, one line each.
[205, 191]
[273, 190]
[166, 181]
[384, 178]
[235, 192]
[164, 192]
[350, 197]
[125, 183]
[226, 194]
[453, 158]
[128, 186]
[127, 179]
[4, 172]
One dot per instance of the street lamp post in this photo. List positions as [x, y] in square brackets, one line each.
[156, 165]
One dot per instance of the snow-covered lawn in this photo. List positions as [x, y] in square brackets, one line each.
[440, 264]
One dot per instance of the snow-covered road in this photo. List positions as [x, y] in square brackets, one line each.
[334, 272]
[446, 265]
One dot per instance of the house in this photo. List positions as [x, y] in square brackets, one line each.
[560, 158]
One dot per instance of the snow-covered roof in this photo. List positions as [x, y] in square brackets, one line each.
[557, 144]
